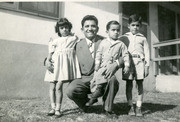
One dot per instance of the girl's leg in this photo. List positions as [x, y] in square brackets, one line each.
[140, 97]
[59, 97]
[52, 97]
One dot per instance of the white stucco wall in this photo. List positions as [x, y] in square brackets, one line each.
[104, 11]
[25, 28]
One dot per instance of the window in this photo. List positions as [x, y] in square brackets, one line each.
[167, 50]
[47, 9]
[41, 8]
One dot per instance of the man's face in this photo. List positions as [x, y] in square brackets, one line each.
[90, 29]
[134, 27]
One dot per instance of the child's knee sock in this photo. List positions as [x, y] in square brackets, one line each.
[58, 106]
[130, 103]
[139, 103]
[53, 105]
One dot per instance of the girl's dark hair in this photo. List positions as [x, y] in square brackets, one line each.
[110, 23]
[135, 18]
[89, 17]
[62, 22]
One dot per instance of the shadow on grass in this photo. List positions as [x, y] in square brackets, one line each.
[149, 108]
[122, 109]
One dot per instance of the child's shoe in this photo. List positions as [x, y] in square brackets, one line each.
[58, 113]
[138, 112]
[51, 112]
[91, 102]
[131, 111]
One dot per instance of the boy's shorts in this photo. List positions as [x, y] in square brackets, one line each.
[137, 69]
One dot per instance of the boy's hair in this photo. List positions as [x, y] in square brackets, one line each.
[89, 17]
[110, 23]
[62, 22]
[135, 18]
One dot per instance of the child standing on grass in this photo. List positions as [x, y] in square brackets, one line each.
[62, 64]
[139, 67]
[110, 50]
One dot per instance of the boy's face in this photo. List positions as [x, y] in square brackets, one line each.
[114, 31]
[90, 29]
[134, 27]
[64, 30]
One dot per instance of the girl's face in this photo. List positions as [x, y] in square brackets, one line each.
[114, 31]
[134, 27]
[64, 30]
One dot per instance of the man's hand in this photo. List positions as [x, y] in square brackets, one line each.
[111, 70]
[126, 70]
[146, 71]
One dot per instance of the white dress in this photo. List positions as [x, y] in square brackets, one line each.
[66, 66]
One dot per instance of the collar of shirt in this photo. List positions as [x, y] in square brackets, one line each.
[89, 42]
[137, 34]
[112, 41]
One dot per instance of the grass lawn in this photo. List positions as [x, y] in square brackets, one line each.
[164, 107]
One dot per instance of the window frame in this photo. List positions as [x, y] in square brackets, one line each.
[16, 7]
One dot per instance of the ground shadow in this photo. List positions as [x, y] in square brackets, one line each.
[149, 108]
[122, 108]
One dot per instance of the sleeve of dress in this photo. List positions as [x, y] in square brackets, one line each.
[147, 53]
[51, 45]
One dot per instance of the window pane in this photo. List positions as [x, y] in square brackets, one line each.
[29, 6]
[167, 51]
[178, 25]
[41, 8]
[140, 8]
[166, 23]
[48, 8]
[169, 67]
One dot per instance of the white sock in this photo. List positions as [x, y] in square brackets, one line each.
[139, 103]
[53, 105]
[58, 106]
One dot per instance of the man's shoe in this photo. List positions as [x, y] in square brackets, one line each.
[83, 110]
[91, 102]
[111, 115]
[51, 112]
[131, 111]
[138, 112]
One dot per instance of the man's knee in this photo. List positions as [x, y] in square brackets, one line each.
[70, 91]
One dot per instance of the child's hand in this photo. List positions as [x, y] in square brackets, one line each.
[126, 70]
[50, 66]
[146, 71]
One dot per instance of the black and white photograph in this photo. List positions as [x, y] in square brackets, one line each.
[89, 61]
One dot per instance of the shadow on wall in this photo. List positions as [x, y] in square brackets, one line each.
[22, 71]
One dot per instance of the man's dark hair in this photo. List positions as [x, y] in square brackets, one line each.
[89, 17]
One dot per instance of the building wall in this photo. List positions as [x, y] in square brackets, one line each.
[23, 46]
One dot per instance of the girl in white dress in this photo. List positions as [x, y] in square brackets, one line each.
[62, 64]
